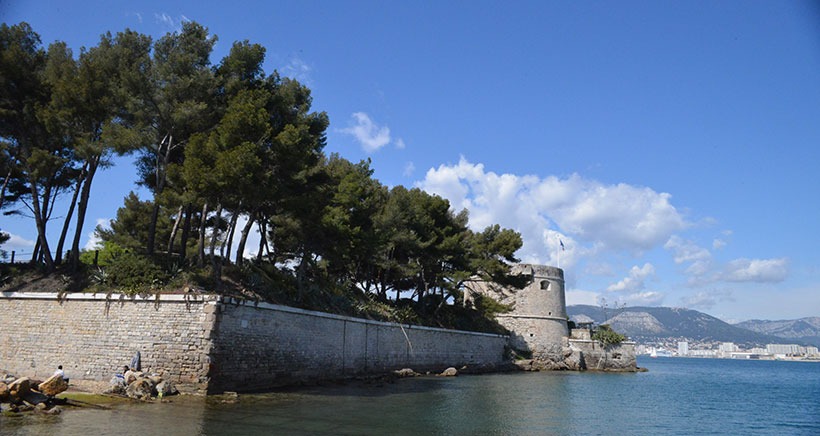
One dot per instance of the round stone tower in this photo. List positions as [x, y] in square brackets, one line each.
[538, 321]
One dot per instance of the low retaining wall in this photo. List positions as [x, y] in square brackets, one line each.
[209, 344]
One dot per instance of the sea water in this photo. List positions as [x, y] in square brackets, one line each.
[676, 396]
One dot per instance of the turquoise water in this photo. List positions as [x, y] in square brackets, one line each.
[676, 396]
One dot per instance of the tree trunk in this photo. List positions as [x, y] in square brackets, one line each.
[82, 208]
[243, 238]
[174, 231]
[58, 260]
[262, 239]
[226, 247]
[201, 245]
[40, 222]
[159, 173]
[186, 233]
[216, 266]
[3, 189]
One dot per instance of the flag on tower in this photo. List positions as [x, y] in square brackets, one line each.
[562, 244]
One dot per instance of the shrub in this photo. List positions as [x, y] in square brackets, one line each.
[606, 336]
[134, 274]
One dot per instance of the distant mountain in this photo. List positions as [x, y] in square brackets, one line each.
[803, 330]
[658, 324]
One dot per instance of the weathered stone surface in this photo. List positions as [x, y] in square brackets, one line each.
[406, 372]
[4, 392]
[53, 386]
[166, 387]
[141, 389]
[19, 388]
[34, 398]
[449, 372]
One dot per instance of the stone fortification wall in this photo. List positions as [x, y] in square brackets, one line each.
[92, 335]
[209, 344]
[595, 357]
[263, 346]
[539, 316]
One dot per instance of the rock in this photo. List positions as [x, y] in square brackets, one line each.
[34, 398]
[449, 372]
[116, 390]
[166, 387]
[141, 389]
[4, 392]
[130, 376]
[53, 386]
[405, 372]
[19, 388]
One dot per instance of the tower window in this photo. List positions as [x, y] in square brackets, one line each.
[545, 285]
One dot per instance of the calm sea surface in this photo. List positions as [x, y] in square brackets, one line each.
[676, 396]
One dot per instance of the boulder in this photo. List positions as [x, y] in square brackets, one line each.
[449, 372]
[34, 398]
[4, 392]
[141, 389]
[19, 388]
[405, 372]
[166, 387]
[53, 386]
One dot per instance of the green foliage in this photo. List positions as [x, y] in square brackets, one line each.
[606, 336]
[108, 253]
[133, 274]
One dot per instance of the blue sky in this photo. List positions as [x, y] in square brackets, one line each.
[672, 146]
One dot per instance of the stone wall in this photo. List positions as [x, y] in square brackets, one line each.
[261, 346]
[539, 316]
[94, 335]
[209, 344]
[595, 357]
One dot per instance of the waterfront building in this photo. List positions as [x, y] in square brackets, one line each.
[683, 348]
[784, 349]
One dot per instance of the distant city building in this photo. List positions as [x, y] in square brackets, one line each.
[785, 349]
[683, 348]
[726, 349]
[812, 351]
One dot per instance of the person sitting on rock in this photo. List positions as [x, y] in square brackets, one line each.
[60, 373]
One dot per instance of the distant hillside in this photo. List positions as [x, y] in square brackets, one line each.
[803, 330]
[652, 324]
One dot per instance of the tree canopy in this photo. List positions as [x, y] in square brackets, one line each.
[224, 149]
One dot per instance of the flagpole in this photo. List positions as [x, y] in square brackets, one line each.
[559, 253]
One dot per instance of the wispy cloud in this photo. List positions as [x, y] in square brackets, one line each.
[298, 69]
[409, 168]
[168, 21]
[367, 133]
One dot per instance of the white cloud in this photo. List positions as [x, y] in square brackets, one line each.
[591, 216]
[19, 244]
[94, 241]
[705, 300]
[370, 135]
[298, 69]
[686, 251]
[400, 144]
[165, 19]
[650, 298]
[635, 281]
[717, 244]
[582, 297]
[409, 168]
[756, 270]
